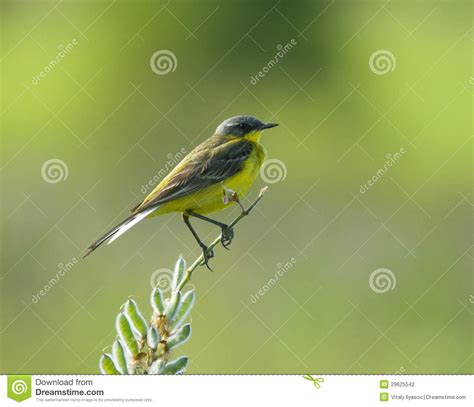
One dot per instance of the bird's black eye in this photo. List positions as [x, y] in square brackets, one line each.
[244, 126]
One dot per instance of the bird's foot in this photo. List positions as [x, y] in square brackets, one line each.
[207, 254]
[227, 236]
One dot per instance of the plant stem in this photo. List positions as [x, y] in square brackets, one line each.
[198, 261]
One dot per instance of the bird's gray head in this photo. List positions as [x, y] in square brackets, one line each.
[240, 126]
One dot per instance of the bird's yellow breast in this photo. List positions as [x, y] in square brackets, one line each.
[211, 198]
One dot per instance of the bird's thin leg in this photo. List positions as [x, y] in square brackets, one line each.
[227, 233]
[207, 254]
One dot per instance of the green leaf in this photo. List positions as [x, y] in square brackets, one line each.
[180, 337]
[119, 358]
[135, 317]
[177, 366]
[126, 334]
[179, 273]
[184, 309]
[106, 365]
[153, 338]
[157, 302]
[172, 306]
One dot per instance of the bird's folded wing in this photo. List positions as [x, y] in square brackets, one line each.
[199, 170]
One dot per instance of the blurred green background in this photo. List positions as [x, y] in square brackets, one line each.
[114, 123]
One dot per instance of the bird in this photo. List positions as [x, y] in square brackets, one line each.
[214, 175]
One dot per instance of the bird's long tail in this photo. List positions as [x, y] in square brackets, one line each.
[119, 230]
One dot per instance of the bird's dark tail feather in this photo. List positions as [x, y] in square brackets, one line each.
[118, 230]
[104, 238]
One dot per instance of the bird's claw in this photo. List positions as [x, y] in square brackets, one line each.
[227, 236]
[207, 254]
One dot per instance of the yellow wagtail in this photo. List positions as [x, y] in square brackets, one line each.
[229, 160]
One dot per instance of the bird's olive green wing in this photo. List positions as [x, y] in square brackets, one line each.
[203, 167]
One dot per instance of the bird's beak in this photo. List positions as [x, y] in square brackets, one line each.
[268, 126]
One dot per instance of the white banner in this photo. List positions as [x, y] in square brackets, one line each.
[238, 390]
